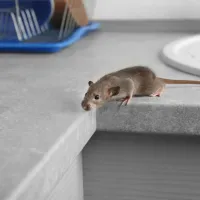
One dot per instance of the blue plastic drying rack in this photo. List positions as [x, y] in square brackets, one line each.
[46, 41]
[45, 44]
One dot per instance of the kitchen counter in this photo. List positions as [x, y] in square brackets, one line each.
[42, 126]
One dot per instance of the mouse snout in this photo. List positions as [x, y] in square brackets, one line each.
[85, 106]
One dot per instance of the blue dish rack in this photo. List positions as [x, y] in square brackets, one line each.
[36, 34]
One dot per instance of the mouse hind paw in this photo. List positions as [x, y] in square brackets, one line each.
[157, 93]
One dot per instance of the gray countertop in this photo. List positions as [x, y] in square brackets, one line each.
[41, 94]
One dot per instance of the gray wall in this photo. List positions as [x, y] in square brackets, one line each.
[146, 9]
[127, 166]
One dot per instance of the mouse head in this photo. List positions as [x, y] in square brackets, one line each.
[97, 95]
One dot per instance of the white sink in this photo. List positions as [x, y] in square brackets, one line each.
[184, 54]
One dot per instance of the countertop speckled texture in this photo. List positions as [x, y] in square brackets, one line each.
[41, 94]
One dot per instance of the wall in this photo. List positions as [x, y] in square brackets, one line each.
[128, 166]
[147, 9]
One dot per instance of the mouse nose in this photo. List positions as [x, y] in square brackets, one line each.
[86, 106]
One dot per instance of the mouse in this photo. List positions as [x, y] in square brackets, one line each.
[122, 85]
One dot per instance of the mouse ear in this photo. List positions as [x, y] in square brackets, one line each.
[90, 83]
[113, 91]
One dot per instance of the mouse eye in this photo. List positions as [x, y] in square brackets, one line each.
[85, 93]
[96, 97]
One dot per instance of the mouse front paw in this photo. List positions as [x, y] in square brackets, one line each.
[125, 100]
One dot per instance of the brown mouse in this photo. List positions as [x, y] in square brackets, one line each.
[123, 84]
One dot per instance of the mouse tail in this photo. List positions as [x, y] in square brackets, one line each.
[172, 81]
